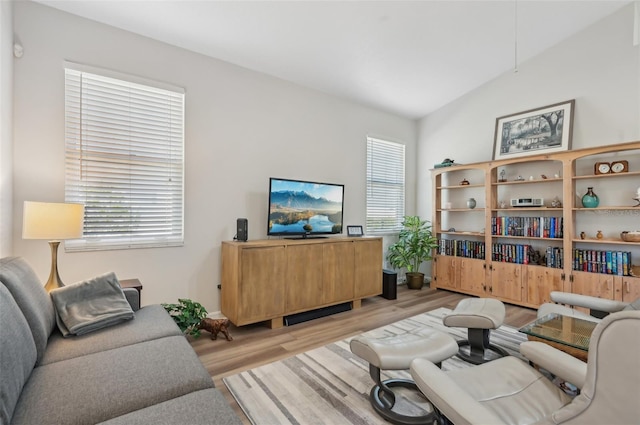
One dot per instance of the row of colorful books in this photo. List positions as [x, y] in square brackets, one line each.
[461, 248]
[587, 260]
[512, 253]
[533, 227]
[607, 262]
[553, 257]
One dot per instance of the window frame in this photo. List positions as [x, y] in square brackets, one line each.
[388, 173]
[120, 127]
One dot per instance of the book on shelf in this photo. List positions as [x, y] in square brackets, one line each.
[535, 227]
[554, 257]
[461, 248]
[601, 261]
[511, 253]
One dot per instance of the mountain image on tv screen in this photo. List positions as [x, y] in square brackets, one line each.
[301, 207]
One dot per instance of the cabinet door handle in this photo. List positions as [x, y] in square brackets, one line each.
[627, 287]
[562, 276]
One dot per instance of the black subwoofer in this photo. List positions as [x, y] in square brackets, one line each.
[389, 284]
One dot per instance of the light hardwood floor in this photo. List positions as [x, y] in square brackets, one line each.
[255, 345]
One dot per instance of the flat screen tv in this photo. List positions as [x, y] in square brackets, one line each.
[304, 209]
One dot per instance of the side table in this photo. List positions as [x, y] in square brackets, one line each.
[132, 283]
[566, 333]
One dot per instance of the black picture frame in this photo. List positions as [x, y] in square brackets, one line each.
[536, 131]
[355, 231]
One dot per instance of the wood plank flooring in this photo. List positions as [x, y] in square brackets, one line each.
[255, 345]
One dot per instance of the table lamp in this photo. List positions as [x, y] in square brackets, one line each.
[53, 221]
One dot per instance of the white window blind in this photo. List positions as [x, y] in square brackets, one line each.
[385, 186]
[124, 161]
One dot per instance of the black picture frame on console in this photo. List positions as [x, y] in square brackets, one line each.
[355, 231]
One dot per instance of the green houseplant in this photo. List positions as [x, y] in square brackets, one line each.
[187, 314]
[415, 245]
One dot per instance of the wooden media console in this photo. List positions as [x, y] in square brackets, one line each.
[265, 280]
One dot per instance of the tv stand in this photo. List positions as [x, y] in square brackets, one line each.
[300, 237]
[267, 280]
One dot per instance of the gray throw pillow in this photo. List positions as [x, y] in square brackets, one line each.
[33, 300]
[17, 354]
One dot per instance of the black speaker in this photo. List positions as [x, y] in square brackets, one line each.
[389, 284]
[243, 229]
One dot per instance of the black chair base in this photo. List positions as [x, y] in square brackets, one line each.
[383, 399]
[440, 419]
[480, 350]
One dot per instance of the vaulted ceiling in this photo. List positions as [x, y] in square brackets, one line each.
[405, 57]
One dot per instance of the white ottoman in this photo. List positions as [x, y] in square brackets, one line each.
[396, 353]
[479, 316]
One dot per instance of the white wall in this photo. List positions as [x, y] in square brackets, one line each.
[636, 42]
[6, 127]
[597, 67]
[241, 128]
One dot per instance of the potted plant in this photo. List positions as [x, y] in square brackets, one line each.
[187, 315]
[415, 245]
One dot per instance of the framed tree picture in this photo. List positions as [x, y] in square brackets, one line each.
[542, 130]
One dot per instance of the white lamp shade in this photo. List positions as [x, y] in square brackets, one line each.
[53, 221]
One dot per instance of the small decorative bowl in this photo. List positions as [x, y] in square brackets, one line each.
[630, 236]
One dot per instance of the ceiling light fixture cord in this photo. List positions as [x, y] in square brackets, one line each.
[636, 24]
[515, 37]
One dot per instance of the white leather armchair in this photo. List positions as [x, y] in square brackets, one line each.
[510, 391]
[564, 303]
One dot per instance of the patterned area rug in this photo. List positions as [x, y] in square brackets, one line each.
[330, 385]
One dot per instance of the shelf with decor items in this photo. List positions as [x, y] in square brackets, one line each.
[603, 263]
[529, 251]
[533, 229]
[459, 223]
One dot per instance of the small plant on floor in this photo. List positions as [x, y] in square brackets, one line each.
[187, 315]
[415, 245]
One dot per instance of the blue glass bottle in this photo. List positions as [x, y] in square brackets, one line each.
[590, 199]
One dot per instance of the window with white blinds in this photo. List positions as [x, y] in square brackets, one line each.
[385, 186]
[124, 161]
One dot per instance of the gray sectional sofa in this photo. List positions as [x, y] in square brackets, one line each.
[141, 371]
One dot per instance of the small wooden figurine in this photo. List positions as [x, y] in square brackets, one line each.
[214, 326]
